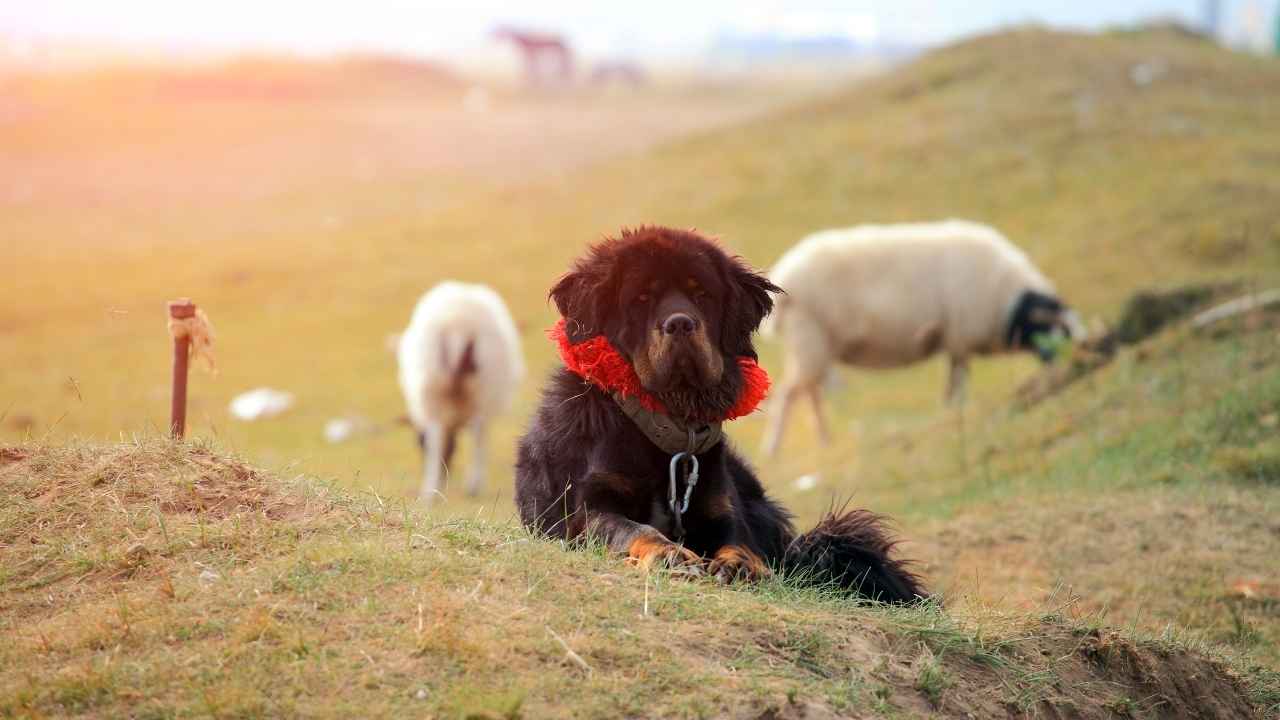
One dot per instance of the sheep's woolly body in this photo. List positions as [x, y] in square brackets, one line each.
[874, 292]
[444, 321]
[883, 296]
[442, 396]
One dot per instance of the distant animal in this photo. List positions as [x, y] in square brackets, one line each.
[547, 57]
[460, 364]
[883, 296]
[627, 445]
[619, 72]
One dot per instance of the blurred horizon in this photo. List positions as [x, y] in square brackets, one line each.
[76, 33]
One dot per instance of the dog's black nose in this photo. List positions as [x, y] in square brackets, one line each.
[679, 324]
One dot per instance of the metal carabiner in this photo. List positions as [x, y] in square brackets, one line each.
[672, 494]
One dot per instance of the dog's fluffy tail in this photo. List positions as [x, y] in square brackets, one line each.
[853, 551]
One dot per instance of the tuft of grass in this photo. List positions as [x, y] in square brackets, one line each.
[932, 679]
[1264, 689]
[1260, 464]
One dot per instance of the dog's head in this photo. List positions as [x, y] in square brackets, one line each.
[679, 307]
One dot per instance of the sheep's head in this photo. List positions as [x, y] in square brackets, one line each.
[1040, 323]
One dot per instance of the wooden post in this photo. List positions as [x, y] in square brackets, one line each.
[181, 309]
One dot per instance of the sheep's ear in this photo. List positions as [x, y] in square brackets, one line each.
[749, 301]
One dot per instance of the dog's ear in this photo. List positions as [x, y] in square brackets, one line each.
[747, 303]
[568, 293]
[583, 298]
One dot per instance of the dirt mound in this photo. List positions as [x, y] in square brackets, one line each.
[132, 501]
[1149, 311]
[174, 479]
[1151, 681]
[1059, 668]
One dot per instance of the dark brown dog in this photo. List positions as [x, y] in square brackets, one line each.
[657, 339]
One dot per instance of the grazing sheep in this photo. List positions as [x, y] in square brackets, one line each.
[460, 364]
[882, 296]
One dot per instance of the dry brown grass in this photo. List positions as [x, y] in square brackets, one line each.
[125, 591]
[1146, 488]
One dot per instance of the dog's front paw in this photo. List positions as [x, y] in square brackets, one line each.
[736, 563]
[649, 552]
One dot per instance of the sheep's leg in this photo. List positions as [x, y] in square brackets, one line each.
[808, 358]
[778, 419]
[450, 445]
[479, 452]
[433, 464]
[957, 380]
[815, 401]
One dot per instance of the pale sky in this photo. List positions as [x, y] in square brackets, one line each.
[650, 29]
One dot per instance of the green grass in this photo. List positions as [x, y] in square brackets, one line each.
[1141, 497]
[1040, 134]
[288, 596]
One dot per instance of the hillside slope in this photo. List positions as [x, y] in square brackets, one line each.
[1109, 185]
[1143, 497]
[153, 579]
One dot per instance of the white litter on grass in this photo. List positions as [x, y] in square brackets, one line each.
[260, 403]
[804, 483]
[339, 430]
[342, 429]
[1145, 73]
[208, 576]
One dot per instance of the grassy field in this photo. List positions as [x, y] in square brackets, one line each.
[149, 579]
[1144, 497]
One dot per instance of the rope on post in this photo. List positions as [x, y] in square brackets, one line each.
[192, 336]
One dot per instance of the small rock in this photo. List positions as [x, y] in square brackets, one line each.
[1145, 73]
[209, 577]
[421, 694]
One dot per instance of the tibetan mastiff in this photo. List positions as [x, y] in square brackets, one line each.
[627, 445]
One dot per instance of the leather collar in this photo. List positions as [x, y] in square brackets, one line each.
[669, 434]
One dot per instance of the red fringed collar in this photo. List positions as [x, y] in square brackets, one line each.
[596, 361]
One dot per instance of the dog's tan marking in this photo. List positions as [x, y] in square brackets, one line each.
[735, 562]
[649, 550]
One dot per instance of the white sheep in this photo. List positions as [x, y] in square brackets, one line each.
[882, 296]
[460, 364]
